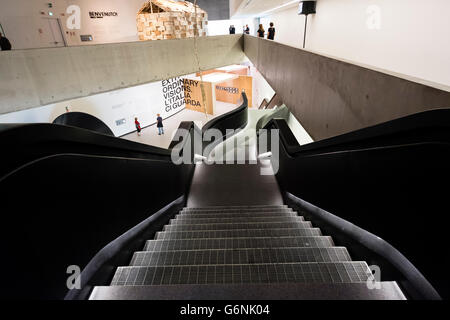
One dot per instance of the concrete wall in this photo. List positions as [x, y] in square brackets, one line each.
[33, 78]
[117, 109]
[405, 36]
[217, 9]
[330, 97]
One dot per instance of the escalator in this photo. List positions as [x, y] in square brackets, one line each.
[139, 226]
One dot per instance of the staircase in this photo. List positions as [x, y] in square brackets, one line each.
[243, 252]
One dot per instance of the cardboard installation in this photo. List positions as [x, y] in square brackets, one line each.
[168, 19]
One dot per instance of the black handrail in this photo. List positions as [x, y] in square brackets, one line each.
[235, 119]
[432, 125]
[22, 143]
[374, 243]
[388, 173]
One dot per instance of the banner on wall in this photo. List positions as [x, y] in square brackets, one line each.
[173, 92]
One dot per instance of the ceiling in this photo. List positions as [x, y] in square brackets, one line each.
[249, 8]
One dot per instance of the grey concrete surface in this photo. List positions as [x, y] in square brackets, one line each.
[331, 97]
[217, 9]
[32, 78]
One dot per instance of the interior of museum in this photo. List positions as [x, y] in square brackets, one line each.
[224, 149]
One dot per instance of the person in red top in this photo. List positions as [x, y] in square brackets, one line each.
[138, 126]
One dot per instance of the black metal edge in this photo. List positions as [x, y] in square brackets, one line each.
[235, 119]
[226, 116]
[434, 121]
[418, 287]
[119, 251]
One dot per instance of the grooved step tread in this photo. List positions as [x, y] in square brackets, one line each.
[187, 221]
[233, 226]
[235, 207]
[311, 272]
[228, 211]
[239, 256]
[272, 291]
[237, 214]
[237, 243]
[241, 233]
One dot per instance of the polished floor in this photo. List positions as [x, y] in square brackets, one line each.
[150, 135]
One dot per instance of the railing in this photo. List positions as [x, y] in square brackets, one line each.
[280, 113]
[66, 193]
[386, 179]
[235, 119]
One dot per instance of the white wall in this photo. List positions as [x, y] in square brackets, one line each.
[221, 27]
[412, 39]
[261, 89]
[22, 19]
[299, 132]
[144, 102]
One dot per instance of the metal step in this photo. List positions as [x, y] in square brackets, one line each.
[235, 220]
[241, 233]
[237, 243]
[272, 291]
[311, 272]
[239, 256]
[237, 215]
[228, 211]
[234, 226]
[236, 207]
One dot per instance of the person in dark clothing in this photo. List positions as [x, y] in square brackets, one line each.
[138, 126]
[232, 30]
[271, 34]
[246, 29]
[4, 43]
[160, 125]
[261, 31]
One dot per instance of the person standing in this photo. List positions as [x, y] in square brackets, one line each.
[271, 34]
[246, 29]
[261, 31]
[138, 126]
[5, 45]
[232, 30]
[160, 125]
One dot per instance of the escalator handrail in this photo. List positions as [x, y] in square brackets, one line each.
[229, 117]
[235, 119]
[23, 143]
[401, 130]
[375, 244]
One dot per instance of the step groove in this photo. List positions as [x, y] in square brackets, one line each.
[242, 233]
[239, 256]
[310, 272]
[237, 243]
[232, 226]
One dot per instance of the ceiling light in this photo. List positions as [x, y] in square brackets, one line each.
[279, 7]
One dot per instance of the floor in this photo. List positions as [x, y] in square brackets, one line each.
[232, 185]
[222, 184]
[150, 135]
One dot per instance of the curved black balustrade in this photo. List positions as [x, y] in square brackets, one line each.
[84, 121]
[388, 179]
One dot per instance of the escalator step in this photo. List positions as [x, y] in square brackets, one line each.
[237, 215]
[236, 207]
[310, 272]
[239, 256]
[241, 233]
[187, 221]
[238, 243]
[232, 226]
[228, 211]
